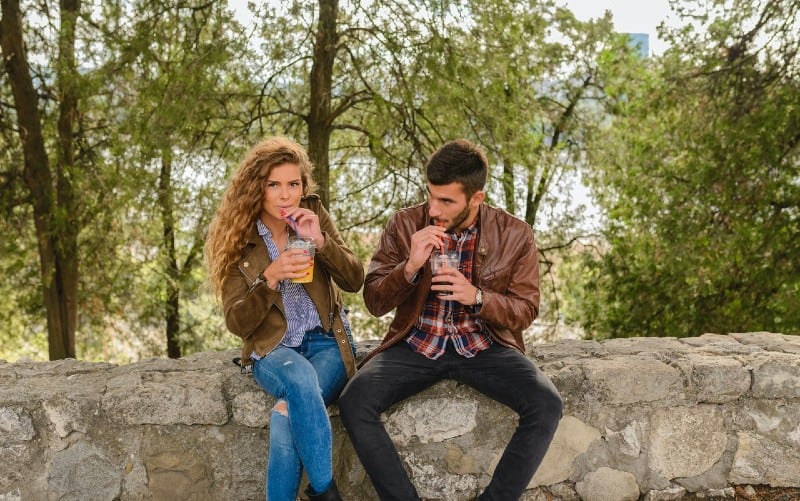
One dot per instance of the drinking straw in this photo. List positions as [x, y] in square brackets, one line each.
[294, 224]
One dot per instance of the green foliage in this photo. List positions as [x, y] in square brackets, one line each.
[693, 156]
[700, 175]
[22, 333]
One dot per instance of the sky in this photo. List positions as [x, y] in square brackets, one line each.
[630, 16]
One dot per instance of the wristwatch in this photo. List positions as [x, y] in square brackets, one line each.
[478, 297]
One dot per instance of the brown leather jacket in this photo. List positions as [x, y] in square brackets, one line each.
[506, 268]
[254, 311]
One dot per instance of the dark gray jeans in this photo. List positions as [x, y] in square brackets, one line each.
[501, 373]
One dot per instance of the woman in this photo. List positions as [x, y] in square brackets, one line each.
[296, 335]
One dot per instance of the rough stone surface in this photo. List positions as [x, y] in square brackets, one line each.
[719, 379]
[84, 472]
[686, 442]
[606, 484]
[15, 426]
[666, 494]
[644, 418]
[432, 420]
[761, 461]
[573, 438]
[251, 409]
[776, 375]
[630, 380]
[166, 398]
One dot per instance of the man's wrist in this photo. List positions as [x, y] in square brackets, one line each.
[478, 298]
[409, 273]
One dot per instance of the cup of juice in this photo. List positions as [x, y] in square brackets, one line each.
[307, 244]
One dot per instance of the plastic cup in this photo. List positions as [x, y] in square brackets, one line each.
[450, 259]
[307, 244]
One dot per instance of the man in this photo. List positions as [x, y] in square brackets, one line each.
[463, 323]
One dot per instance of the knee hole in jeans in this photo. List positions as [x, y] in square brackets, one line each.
[281, 408]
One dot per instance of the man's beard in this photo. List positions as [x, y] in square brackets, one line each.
[459, 219]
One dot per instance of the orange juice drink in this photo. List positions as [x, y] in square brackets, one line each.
[306, 244]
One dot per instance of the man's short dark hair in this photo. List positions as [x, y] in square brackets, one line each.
[458, 161]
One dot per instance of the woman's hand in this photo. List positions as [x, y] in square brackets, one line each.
[305, 223]
[292, 263]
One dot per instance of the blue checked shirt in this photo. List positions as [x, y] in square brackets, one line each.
[301, 313]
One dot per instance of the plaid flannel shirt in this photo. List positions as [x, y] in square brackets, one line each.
[443, 320]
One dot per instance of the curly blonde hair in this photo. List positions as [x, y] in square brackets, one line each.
[241, 204]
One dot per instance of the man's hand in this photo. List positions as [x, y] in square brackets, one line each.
[455, 286]
[422, 244]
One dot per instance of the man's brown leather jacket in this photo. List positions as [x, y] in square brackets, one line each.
[255, 312]
[505, 268]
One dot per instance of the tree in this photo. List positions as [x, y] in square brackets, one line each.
[403, 77]
[49, 182]
[180, 150]
[529, 91]
[307, 92]
[700, 176]
[139, 156]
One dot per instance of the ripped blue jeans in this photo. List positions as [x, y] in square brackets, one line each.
[305, 380]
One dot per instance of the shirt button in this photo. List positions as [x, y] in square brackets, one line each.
[246, 264]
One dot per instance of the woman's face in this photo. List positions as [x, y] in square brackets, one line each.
[283, 190]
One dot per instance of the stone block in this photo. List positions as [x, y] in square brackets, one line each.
[573, 438]
[431, 420]
[776, 375]
[759, 460]
[606, 484]
[166, 398]
[83, 472]
[686, 442]
[252, 408]
[769, 341]
[628, 380]
[719, 379]
[16, 426]
[774, 419]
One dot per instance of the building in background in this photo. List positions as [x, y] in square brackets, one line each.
[640, 41]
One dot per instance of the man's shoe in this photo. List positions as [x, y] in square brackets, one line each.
[331, 494]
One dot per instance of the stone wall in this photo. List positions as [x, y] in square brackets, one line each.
[645, 418]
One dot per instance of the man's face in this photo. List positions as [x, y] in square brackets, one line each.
[449, 206]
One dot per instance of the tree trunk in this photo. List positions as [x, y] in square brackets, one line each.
[320, 119]
[58, 268]
[508, 185]
[535, 197]
[171, 272]
[67, 229]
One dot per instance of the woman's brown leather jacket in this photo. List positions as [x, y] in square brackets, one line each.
[255, 312]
